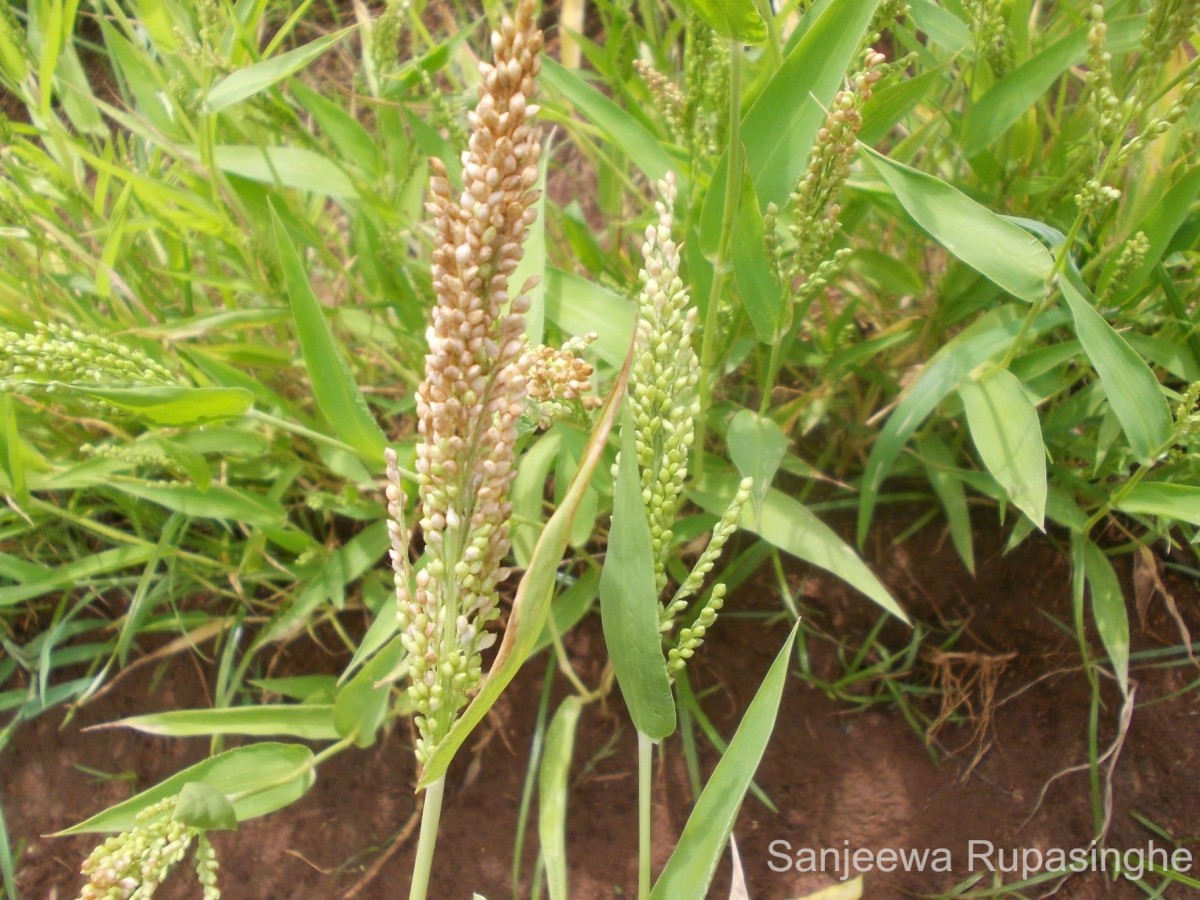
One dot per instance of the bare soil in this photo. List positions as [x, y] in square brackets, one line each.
[843, 773]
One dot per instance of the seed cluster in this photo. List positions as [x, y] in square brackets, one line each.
[55, 352]
[475, 387]
[132, 865]
[663, 393]
[815, 196]
[1118, 135]
[663, 400]
[559, 377]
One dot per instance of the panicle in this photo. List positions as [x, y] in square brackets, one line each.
[135, 863]
[663, 394]
[475, 387]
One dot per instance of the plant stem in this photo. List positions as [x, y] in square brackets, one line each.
[645, 761]
[431, 814]
[733, 185]
[773, 40]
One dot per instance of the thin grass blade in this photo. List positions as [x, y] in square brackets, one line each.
[690, 869]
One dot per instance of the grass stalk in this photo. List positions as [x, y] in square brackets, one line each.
[733, 184]
[431, 814]
[645, 804]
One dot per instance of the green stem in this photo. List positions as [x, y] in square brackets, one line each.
[1115, 499]
[645, 762]
[431, 814]
[773, 367]
[1094, 782]
[733, 184]
[773, 39]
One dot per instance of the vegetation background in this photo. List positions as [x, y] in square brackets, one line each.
[942, 257]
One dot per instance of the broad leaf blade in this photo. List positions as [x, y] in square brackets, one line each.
[780, 126]
[1132, 390]
[307, 721]
[362, 702]
[629, 603]
[621, 128]
[1007, 100]
[242, 773]
[939, 469]
[1006, 431]
[175, 406]
[1108, 606]
[757, 446]
[1002, 252]
[219, 501]
[1177, 502]
[756, 283]
[202, 806]
[553, 788]
[983, 340]
[787, 524]
[289, 167]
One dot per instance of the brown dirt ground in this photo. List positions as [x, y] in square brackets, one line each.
[839, 777]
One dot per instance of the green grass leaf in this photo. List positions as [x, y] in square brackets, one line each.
[333, 385]
[531, 606]
[553, 790]
[245, 83]
[362, 702]
[288, 167]
[737, 20]
[939, 469]
[1002, 252]
[1006, 431]
[690, 869]
[982, 340]
[629, 603]
[309, 722]
[1108, 606]
[620, 127]
[757, 446]
[258, 779]
[1008, 99]
[1174, 502]
[1132, 390]
[174, 406]
[760, 293]
[786, 523]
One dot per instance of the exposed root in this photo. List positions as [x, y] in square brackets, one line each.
[967, 682]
